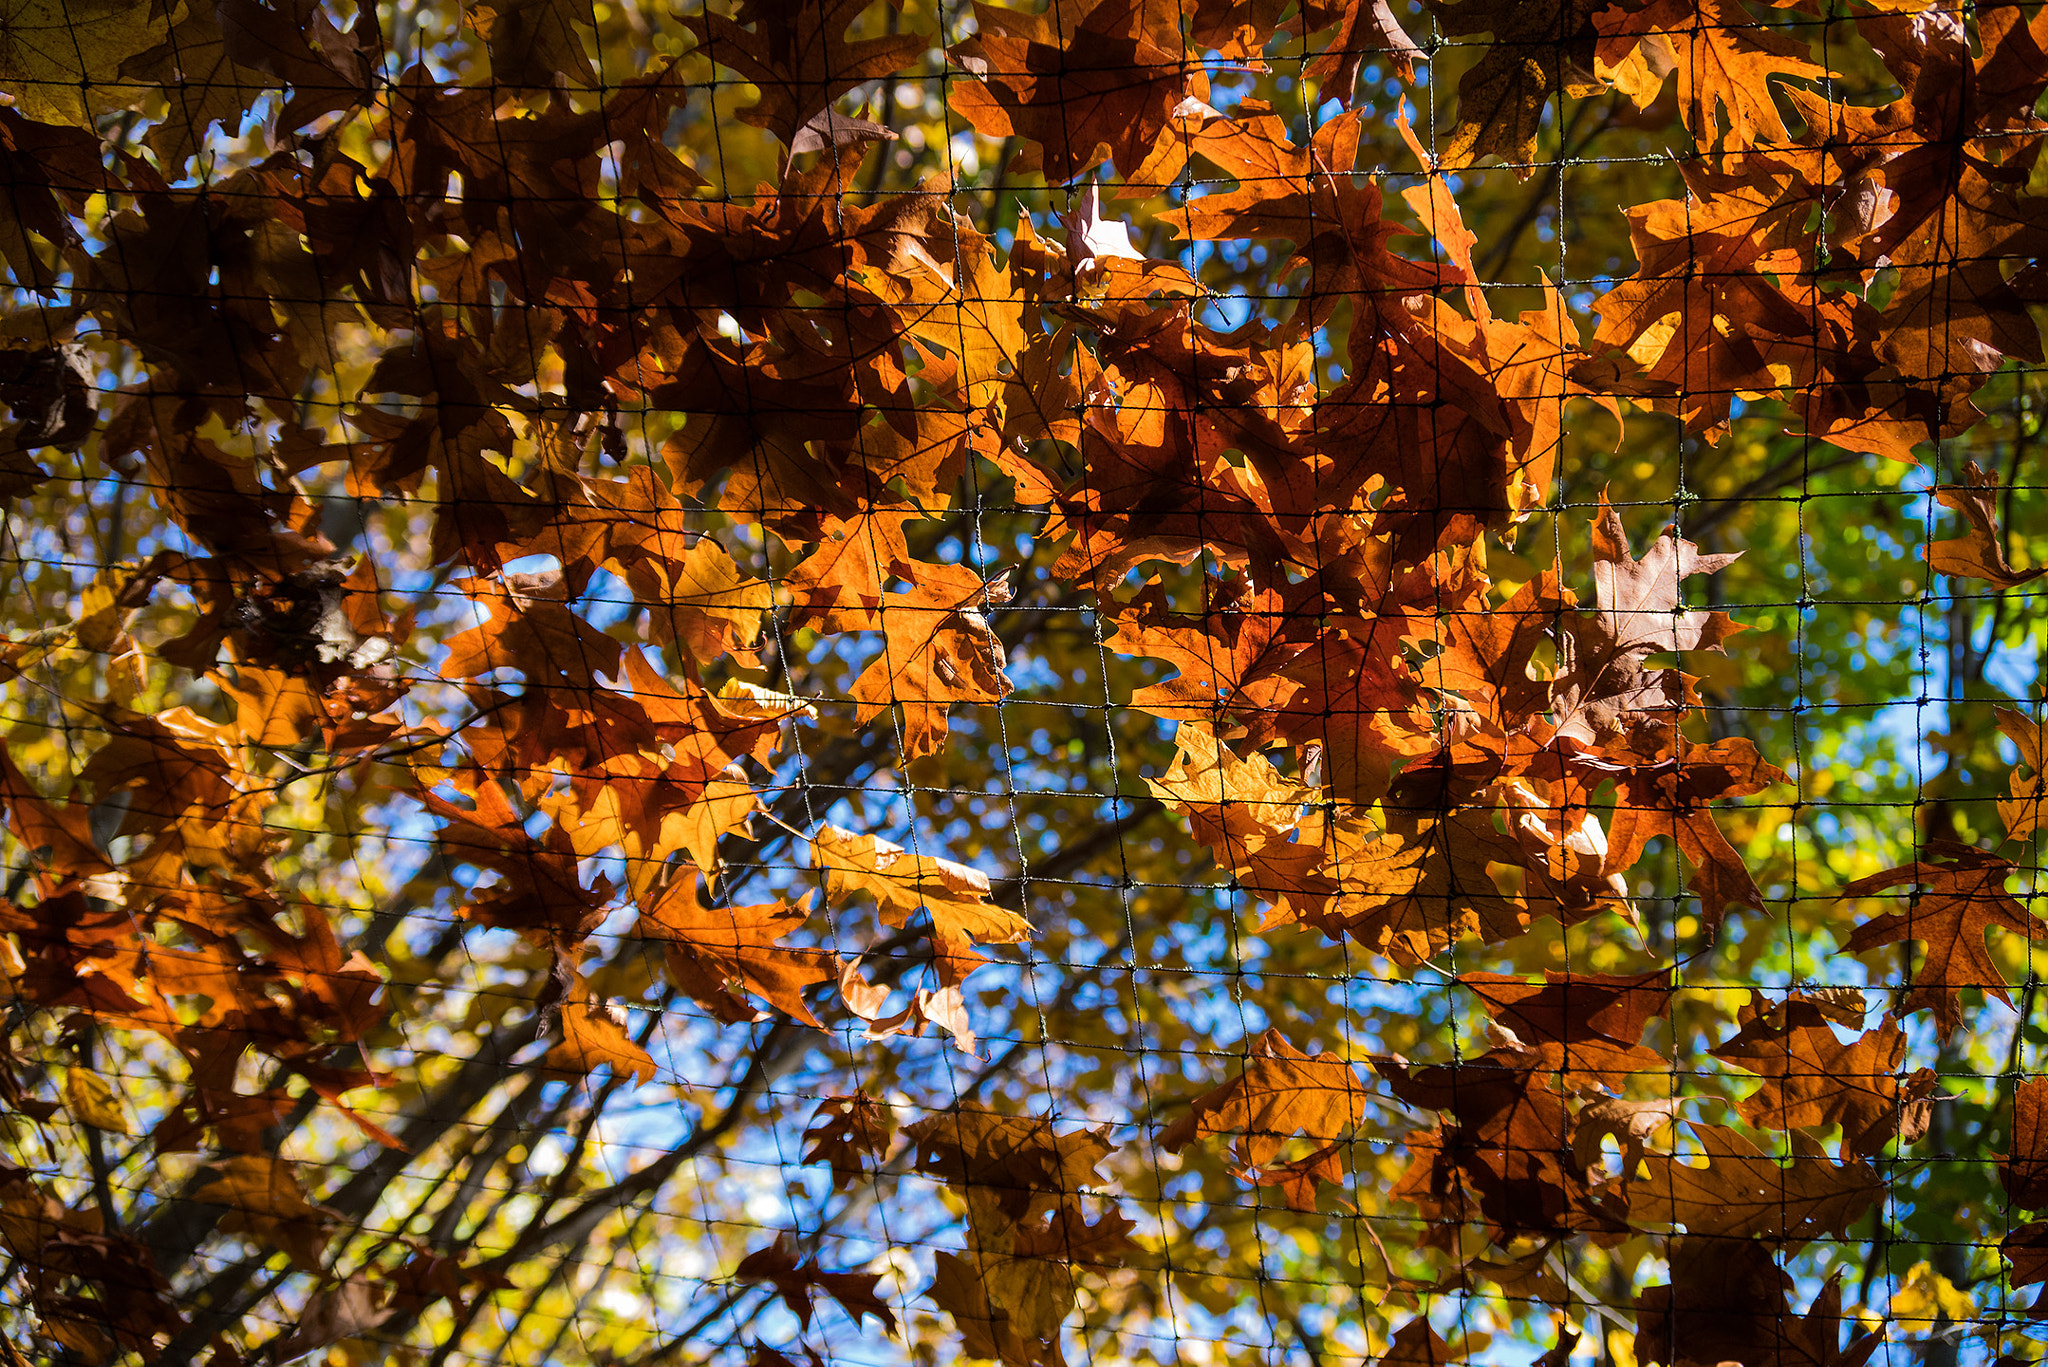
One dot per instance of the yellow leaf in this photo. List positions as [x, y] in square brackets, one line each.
[1926, 1296]
[59, 58]
[91, 1101]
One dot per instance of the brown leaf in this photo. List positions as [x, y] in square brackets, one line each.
[1813, 1080]
[1981, 553]
[1006, 1167]
[1589, 1024]
[350, 1307]
[1963, 900]
[797, 1281]
[799, 57]
[1742, 1192]
[1101, 77]
[1280, 1093]
[2021, 811]
[267, 1204]
[903, 883]
[1630, 1122]
[2023, 1172]
[1724, 60]
[850, 1133]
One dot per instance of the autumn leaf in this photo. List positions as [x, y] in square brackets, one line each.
[1980, 554]
[1583, 1025]
[1813, 1079]
[2023, 1172]
[2021, 812]
[267, 1203]
[1280, 1093]
[1637, 613]
[902, 883]
[719, 955]
[1724, 62]
[1007, 1168]
[798, 1279]
[1964, 899]
[850, 1134]
[1741, 1191]
[939, 650]
[54, 53]
[593, 1037]
[91, 1101]
[799, 57]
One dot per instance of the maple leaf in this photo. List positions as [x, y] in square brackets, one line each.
[939, 650]
[1981, 553]
[1280, 1093]
[1813, 1079]
[1588, 1024]
[1741, 1191]
[593, 1037]
[1007, 1168]
[797, 1280]
[850, 1134]
[1964, 899]
[712, 950]
[799, 57]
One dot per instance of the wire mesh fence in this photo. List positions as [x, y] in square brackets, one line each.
[1138, 682]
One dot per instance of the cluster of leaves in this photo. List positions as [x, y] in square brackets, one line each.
[470, 542]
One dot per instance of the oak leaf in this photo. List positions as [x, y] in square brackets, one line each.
[2021, 811]
[939, 650]
[1097, 78]
[1006, 1168]
[1964, 899]
[1580, 1025]
[1812, 1080]
[266, 1203]
[851, 1134]
[593, 1037]
[799, 57]
[1980, 554]
[902, 882]
[1723, 59]
[2023, 1171]
[1637, 613]
[720, 954]
[55, 54]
